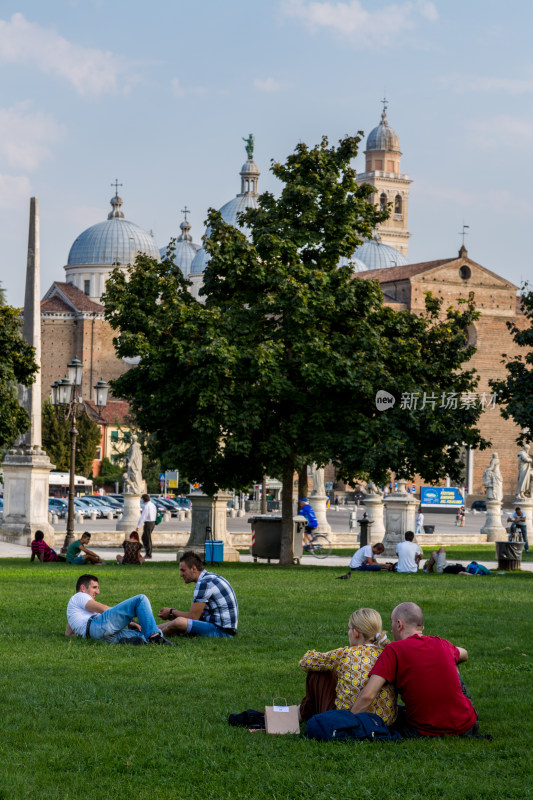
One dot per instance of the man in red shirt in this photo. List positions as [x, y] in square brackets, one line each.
[423, 669]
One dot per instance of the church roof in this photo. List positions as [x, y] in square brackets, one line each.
[376, 255]
[67, 297]
[116, 412]
[406, 271]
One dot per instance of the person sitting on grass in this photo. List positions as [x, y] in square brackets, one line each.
[364, 559]
[42, 551]
[88, 618]
[132, 550]
[214, 610]
[437, 563]
[423, 670]
[409, 554]
[80, 546]
[334, 679]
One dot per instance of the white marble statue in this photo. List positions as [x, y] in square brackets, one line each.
[492, 479]
[319, 486]
[134, 479]
[373, 489]
[523, 489]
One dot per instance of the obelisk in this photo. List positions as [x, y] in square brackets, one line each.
[26, 466]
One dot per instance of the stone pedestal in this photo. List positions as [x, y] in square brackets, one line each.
[374, 510]
[209, 512]
[319, 504]
[132, 511]
[26, 480]
[493, 528]
[400, 512]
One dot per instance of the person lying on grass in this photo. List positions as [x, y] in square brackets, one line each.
[423, 670]
[437, 563]
[334, 679]
[88, 618]
[214, 610]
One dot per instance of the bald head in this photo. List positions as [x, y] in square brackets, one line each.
[407, 619]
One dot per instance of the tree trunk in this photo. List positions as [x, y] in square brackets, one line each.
[302, 482]
[287, 553]
[264, 495]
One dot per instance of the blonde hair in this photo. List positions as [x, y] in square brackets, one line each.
[368, 623]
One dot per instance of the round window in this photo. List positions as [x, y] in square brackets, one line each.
[465, 272]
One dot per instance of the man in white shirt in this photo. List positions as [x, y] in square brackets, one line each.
[364, 559]
[409, 554]
[518, 518]
[88, 618]
[419, 522]
[147, 518]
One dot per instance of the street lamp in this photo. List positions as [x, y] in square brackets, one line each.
[65, 395]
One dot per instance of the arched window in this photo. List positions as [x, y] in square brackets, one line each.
[383, 201]
[398, 204]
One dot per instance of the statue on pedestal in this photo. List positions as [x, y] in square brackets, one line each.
[134, 479]
[372, 489]
[523, 489]
[492, 479]
[319, 486]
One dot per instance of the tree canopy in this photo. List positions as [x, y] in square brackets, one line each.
[281, 363]
[56, 440]
[17, 366]
[515, 392]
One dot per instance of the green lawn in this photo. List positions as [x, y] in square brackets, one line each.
[82, 719]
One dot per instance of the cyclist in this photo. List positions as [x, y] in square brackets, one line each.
[306, 510]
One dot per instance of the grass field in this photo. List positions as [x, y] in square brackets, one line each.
[86, 719]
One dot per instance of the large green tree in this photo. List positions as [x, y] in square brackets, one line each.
[515, 392]
[17, 366]
[56, 440]
[280, 365]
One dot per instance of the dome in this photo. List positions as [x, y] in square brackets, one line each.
[199, 262]
[115, 241]
[383, 137]
[185, 249]
[231, 210]
[356, 264]
[376, 255]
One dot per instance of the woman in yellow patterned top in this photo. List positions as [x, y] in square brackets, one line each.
[335, 679]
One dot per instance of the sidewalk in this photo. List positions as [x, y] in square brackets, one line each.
[108, 554]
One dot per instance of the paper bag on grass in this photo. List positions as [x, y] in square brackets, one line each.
[281, 719]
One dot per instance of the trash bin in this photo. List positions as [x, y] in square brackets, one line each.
[266, 536]
[429, 529]
[509, 555]
[214, 551]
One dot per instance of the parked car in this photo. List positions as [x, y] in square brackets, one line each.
[183, 503]
[478, 505]
[119, 498]
[58, 506]
[92, 504]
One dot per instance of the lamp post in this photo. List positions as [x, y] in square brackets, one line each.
[65, 395]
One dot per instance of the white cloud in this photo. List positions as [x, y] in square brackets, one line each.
[269, 85]
[90, 71]
[25, 136]
[503, 128]
[352, 21]
[181, 91]
[14, 192]
[472, 83]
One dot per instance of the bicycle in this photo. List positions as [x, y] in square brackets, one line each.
[319, 546]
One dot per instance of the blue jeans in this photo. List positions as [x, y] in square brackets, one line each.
[110, 626]
[198, 628]
[523, 530]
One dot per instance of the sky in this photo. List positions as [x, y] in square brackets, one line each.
[159, 96]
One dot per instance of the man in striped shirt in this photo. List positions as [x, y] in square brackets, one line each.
[41, 551]
[214, 610]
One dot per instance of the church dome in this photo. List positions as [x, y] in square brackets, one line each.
[185, 249]
[356, 264]
[383, 137]
[230, 211]
[376, 255]
[115, 241]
